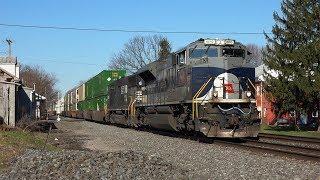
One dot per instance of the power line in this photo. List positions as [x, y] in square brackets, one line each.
[129, 31]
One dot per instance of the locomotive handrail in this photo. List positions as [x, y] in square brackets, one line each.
[194, 102]
[193, 99]
[255, 89]
[197, 108]
[133, 110]
[129, 107]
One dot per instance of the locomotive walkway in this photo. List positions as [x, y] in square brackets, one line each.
[205, 160]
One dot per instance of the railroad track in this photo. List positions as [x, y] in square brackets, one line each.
[276, 146]
[295, 139]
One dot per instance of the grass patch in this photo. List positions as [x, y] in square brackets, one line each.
[288, 131]
[12, 143]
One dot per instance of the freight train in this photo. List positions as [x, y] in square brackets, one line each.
[205, 87]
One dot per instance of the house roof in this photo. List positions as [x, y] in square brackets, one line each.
[9, 74]
[260, 72]
[39, 97]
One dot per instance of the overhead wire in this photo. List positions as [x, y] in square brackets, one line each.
[130, 31]
[118, 30]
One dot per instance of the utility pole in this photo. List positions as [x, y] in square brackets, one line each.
[9, 41]
[59, 103]
[46, 101]
[59, 107]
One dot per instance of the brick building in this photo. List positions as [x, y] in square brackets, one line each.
[264, 105]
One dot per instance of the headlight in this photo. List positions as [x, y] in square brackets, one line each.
[248, 94]
[215, 94]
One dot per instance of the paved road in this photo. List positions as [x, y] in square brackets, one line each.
[206, 160]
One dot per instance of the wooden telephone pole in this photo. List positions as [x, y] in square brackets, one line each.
[9, 41]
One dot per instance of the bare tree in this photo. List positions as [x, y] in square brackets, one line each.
[138, 52]
[256, 56]
[45, 82]
[81, 82]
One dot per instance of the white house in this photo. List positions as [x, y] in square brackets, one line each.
[10, 64]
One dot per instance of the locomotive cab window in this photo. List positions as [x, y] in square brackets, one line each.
[212, 52]
[195, 53]
[182, 57]
[233, 53]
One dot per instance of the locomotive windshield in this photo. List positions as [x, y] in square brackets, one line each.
[233, 53]
[202, 52]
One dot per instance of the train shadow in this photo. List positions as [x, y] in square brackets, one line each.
[188, 135]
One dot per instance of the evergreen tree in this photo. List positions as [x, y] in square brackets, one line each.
[165, 49]
[293, 51]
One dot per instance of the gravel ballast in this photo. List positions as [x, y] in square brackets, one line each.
[72, 164]
[208, 160]
[189, 159]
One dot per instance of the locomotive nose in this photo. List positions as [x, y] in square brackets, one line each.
[226, 85]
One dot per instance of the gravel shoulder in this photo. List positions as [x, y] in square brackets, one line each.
[90, 144]
[202, 159]
[75, 164]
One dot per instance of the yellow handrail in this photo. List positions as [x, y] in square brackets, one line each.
[129, 107]
[252, 85]
[133, 110]
[194, 102]
[197, 107]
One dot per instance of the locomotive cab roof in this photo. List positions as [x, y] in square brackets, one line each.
[149, 72]
[212, 42]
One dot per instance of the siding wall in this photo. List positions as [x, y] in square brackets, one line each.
[264, 105]
[7, 104]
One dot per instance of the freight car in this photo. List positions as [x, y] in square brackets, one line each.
[89, 99]
[205, 87]
[70, 103]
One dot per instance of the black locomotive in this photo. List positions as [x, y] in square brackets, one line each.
[205, 87]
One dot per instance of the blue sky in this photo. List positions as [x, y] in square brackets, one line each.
[47, 47]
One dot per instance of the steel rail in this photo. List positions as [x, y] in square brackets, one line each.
[291, 147]
[276, 148]
[307, 140]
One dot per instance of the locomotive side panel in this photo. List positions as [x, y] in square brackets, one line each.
[122, 93]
